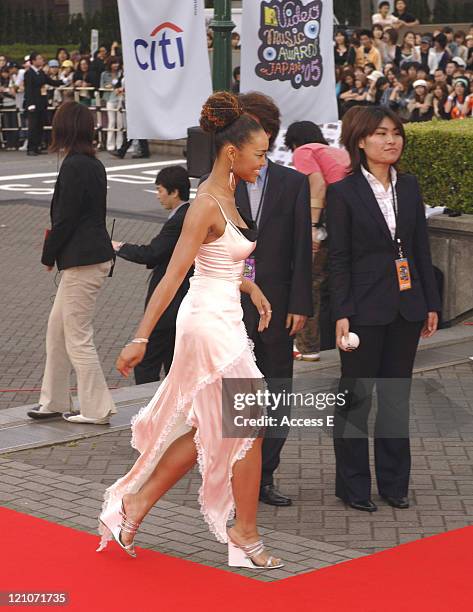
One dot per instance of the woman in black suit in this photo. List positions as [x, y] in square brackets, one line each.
[382, 288]
[79, 244]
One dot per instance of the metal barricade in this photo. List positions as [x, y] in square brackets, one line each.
[92, 97]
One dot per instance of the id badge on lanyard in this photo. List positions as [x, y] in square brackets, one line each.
[249, 270]
[402, 265]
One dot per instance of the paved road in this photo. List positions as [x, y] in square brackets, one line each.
[28, 291]
[65, 482]
[130, 182]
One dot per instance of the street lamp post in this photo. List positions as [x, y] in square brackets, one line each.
[222, 26]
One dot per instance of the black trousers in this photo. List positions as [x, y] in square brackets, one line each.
[36, 121]
[276, 363]
[159, 354]
[385, 357]
[143, 146]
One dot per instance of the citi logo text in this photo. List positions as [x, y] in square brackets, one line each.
[164, 50]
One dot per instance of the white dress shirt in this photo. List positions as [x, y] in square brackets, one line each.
[173, 211]
[255, 192]
[384, 197]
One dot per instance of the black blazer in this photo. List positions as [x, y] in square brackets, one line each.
[283, 254]
[156, 256]
[79, 235]
[33, 83]
[362, 273]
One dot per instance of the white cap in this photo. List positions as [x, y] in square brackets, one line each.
[375, 75]
[420, 83]
[459, 62]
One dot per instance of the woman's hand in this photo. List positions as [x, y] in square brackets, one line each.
[430, 325]
[342, 329]
[315, 246]
[116, 245]
[130, 357]
[263, 306]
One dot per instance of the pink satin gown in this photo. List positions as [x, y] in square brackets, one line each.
[211, 343]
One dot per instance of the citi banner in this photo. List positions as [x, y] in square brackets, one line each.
[167, 71]
[287, 53]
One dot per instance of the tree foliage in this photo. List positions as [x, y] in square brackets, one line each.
[36, 26]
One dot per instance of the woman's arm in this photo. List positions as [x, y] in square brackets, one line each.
[347, 95]
[68, 207]
[361, 97]
[427, 104]
[195, 229]
[199, 220]
[449, 104]
[259, 300]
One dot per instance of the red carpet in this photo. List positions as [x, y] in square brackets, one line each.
[431, 575]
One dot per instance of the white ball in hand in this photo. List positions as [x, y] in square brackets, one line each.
[352, 342]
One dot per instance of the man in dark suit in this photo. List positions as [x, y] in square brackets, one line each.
[280, 204]
[173, 187]
[36, 101]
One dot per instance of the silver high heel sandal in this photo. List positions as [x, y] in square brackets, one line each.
[240, 555]
[127, 526]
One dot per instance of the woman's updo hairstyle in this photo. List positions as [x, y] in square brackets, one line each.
[223, 116]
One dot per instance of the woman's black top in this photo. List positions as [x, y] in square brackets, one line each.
[348, 57]
[78, 235]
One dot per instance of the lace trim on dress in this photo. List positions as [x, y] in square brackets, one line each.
[115, 491]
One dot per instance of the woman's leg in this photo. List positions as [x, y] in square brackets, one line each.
[360, 369]
[111, 120]
[81, 288]
[246, 486]
[391, 444]
[55, 388]
[176, 461]
[119, 124]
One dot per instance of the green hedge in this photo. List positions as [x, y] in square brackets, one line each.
[18, 51]
[440, 154]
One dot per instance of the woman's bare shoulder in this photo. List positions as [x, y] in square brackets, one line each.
[205, 200]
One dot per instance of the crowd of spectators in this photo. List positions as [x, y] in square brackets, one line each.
[420, 76]
[96, 81]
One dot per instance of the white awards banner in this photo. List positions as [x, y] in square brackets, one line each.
[287, 53]
[166, 66]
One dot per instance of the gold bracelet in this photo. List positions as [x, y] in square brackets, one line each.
[138, 341]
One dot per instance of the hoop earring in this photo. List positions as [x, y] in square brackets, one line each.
[231, 179]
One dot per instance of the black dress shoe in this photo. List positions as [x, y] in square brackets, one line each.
[35, 153]
[366, 505]
[117, 154]
[269, 495]
[35, 413]
[396, 502]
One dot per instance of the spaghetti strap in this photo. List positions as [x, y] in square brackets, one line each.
[219, 205]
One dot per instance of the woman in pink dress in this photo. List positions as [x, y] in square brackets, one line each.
[182, 424]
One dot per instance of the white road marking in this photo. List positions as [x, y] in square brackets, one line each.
[109, 169]
[134, 179]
